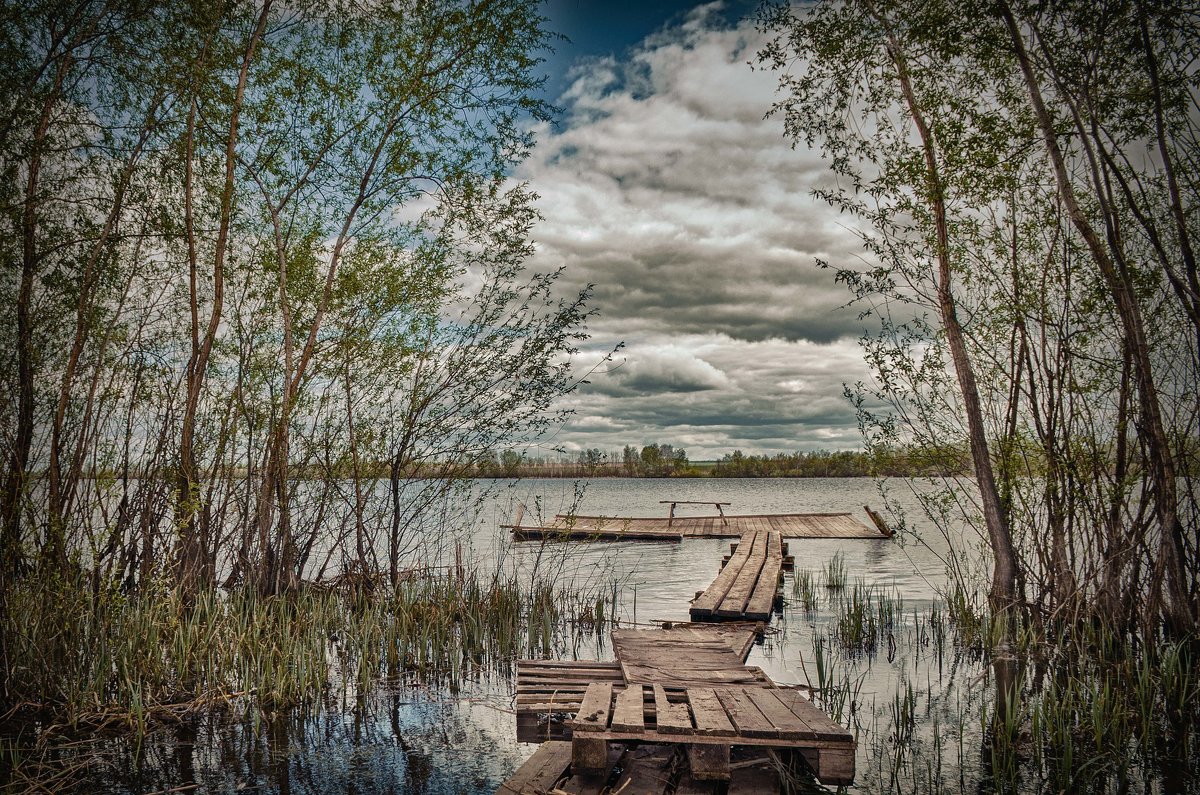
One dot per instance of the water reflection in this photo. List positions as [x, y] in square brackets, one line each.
[402, 741]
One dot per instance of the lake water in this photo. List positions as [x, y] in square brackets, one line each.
[423, 740]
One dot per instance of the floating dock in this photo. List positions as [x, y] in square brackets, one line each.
[568, 527]
[683, 691]
[747, 587]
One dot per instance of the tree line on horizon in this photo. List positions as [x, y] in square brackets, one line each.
[656, 460]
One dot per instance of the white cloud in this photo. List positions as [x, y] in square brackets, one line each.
[693, 216]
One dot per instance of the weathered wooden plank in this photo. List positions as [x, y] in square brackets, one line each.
[762, 599]
[599, 665]
[785, 721]
[733, 604]
[589, 753]
[683, 656]
[835, 765]
[744, 715]
[682, 677]
[593, 714]
[714, 595]
[671, 718]
[541, 772]
[629, 713]
[708, 762]
[708, 713]
[839, 525]
[822, 726]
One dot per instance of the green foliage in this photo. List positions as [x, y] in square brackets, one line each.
[265, 254]
[1056, 357]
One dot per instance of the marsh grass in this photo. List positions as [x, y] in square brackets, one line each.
[1091, 712]
[85, 659]
[865, 616]
[835, 572]
[804, 590]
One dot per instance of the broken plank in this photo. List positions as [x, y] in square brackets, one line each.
[709, 715]
[787, 723]
[541, 772]
[629, 713]
[670, 718]
[744, 715]
[822, 726]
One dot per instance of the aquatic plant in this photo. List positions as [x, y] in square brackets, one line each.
[804, 589]
[835, 572]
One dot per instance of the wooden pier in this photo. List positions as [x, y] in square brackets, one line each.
[549, 692]
[678, 712]
[676, 528]
[684, 690]
[747, 587]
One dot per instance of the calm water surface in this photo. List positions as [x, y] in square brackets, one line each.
[430, 740]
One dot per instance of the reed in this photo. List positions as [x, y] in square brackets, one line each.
[804, 590]
[835, 572]
[84, 658]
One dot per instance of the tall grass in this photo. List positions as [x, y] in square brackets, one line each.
[85, 659]
[835, 572]
[1090, 712]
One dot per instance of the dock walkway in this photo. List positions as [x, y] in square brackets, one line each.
[549, 692]
[748, 585]
[708, 721]
[683, 689]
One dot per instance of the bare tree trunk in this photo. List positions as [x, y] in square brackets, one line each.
[1003, 594]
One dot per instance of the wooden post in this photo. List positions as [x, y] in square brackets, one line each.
[588, 753]
[880, 525]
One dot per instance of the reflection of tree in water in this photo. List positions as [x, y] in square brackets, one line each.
[400, 743]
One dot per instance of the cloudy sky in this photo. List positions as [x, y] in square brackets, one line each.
[663, 184]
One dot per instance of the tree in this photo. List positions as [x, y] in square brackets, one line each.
[1013, 267]
[258, 255]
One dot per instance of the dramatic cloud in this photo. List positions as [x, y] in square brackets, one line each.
[666, 188]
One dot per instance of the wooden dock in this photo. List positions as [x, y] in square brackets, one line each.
[747, 587]
[709, 721]
[549, 692]
[683, 691]
[678, 712]
[676, 528]
[640, 769]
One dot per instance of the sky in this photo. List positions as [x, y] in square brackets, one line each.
[662, 183]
